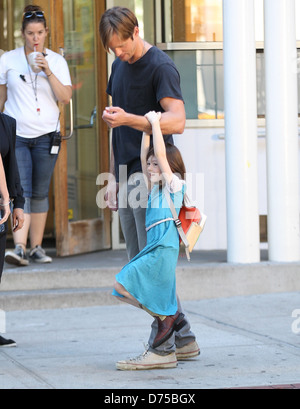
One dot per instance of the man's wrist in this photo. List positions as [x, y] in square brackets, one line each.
[140, 123]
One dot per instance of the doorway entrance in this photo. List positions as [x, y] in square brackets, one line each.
[76, 222]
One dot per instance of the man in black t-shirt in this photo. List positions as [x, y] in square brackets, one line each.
[143, 79]
[152, 83]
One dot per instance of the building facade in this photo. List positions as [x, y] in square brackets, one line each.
[192, 33]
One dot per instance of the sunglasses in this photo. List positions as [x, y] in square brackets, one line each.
[30, 14]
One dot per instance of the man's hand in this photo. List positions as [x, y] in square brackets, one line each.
[114, 117]
[111, 196]
[18, 219]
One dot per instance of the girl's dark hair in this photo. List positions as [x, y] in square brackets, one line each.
[34, 18]
[174, 158]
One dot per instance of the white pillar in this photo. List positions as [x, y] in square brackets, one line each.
[241, 131]
[282, 131]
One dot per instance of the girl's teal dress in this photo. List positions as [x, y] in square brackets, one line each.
[151, 276]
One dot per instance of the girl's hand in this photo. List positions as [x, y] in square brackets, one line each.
[153, 117]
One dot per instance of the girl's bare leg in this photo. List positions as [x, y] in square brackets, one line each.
[128, 298]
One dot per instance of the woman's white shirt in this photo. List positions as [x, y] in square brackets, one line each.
[21, 101]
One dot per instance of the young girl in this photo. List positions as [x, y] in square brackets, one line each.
[149, 280]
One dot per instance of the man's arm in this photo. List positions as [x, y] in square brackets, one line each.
[172, 121]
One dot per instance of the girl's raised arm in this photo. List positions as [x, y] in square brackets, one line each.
[144, 152]
[159, 146]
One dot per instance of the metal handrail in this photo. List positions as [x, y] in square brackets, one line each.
[66, 138]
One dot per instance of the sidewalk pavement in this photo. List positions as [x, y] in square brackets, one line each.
[249, 341]
[70, 334]
[87, 280]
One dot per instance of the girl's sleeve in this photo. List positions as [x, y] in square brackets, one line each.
[175, 185]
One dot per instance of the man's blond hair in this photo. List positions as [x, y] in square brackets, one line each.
[117, 20]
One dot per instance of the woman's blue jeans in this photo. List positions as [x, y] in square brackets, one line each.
[36, 166]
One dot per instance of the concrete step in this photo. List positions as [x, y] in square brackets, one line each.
[53, 299]
[73, 287]
[73, 278]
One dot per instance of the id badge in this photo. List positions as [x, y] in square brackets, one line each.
[56, 142]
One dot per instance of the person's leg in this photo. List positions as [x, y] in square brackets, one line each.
[140, 227]
[21, 236]
[148, 360]
[129, 231]
[132, 223]
[23, 154]
[181, 337]
[43, 167]
[138, 201]
[24, 160]
[38, 224]
[126, 296]
[4, 343]
[2, 252]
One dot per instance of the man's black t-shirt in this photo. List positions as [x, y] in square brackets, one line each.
[137, 88]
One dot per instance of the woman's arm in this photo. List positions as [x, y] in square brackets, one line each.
[5, 200]
[159, 146]
[3, 97]
[62, 92]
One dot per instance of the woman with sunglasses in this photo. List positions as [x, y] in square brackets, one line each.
[29, 92]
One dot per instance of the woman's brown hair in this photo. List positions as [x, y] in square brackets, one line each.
[34, 19]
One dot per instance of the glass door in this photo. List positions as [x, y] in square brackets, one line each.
[81, 226]
[83, 148]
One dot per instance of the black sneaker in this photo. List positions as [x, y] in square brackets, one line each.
[7, 343]
[17, 257]
[38, 255]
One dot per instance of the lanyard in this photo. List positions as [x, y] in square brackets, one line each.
[34, 84]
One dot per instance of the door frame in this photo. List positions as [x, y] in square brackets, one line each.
[83, 236]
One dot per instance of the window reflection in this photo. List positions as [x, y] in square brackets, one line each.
[144, 10]
[197, 20]
[202, 82]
